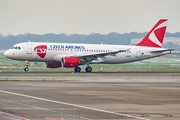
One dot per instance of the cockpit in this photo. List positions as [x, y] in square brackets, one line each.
[17, 48]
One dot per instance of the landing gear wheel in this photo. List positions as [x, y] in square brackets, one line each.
[88, 69]
[77, 69]
[26, 69]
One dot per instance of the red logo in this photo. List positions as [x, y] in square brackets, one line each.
[156, 35]
[41, 50]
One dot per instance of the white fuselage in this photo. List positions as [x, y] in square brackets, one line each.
[56, 51]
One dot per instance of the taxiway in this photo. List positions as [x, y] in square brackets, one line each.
[90, 98]
[108, 72]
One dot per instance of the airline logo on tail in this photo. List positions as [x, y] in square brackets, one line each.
[41, 50]
[155, 37]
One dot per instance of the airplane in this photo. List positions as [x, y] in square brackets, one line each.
[73, 55]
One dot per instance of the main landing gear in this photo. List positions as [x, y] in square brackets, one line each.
[26, 68]
[88, 69]
[78, 69]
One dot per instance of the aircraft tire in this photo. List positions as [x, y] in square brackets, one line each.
[77, 69]
[26, 69]
[88, 69]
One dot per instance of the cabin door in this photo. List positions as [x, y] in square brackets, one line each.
[29, 48]
[138, 52]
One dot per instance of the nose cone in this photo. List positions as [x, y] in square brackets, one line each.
[7, 54]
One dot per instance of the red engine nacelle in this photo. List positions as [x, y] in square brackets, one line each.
[53, 64]
[70, 62]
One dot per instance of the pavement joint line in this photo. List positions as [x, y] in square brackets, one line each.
[74, 105]
[43, 109]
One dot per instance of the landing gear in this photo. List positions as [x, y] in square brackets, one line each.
[26, 68]
[77, 69]
[88, 69]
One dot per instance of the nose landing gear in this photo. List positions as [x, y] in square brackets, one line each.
[26, 68]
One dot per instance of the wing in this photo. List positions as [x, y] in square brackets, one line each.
[90, 57]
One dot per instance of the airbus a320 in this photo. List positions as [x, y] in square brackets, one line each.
[73, 55]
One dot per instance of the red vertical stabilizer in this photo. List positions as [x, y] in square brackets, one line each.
[156, 35]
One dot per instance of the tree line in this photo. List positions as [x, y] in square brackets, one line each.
[7, 42]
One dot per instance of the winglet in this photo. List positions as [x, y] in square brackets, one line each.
[156, 35]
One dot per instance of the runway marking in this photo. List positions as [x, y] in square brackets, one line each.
[54, 118]
[12, 107]
[68, 108]
[14, 116]
[74, 105]
[29, 100]
[49, 110]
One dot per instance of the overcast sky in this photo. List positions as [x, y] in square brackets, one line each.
[86, 16]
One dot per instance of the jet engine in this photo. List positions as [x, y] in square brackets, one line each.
[53, 64]
[70, 62]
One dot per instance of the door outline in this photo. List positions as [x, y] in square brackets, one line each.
[138, 52]
[29, 48]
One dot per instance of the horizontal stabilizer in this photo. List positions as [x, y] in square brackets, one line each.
[157, 51]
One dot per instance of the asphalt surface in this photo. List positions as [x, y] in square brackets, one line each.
[93, 98]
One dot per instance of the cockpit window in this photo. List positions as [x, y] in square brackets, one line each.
[17, 48]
